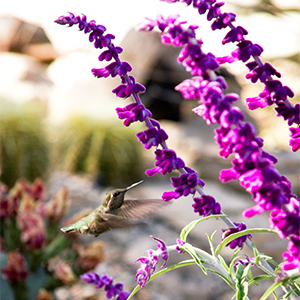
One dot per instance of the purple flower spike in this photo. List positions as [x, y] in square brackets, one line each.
[206, 206]
[132, 113]
[148, 264]
[239, 241]
[106, 282]
[146, 269]
[92, 278]
[166, 162]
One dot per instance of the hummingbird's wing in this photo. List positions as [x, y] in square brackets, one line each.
[135, 209]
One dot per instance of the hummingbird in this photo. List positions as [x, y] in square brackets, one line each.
[114, 213]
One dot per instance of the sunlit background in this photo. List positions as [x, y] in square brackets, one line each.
[58, 122]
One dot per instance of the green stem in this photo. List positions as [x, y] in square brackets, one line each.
[20, 290]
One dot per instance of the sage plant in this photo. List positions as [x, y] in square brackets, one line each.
[251, 165]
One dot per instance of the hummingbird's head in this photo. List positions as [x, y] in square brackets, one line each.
[116, 196]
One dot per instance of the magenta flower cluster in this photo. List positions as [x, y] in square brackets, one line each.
[251, 165]
[148, 263]
[112, 290]
[274, 92]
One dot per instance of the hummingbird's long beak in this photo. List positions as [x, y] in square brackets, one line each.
[133, 185]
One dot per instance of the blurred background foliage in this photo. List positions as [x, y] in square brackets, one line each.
[108, 153]
[24, 142]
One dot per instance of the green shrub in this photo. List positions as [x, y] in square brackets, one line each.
[23, 144]
[101, 150]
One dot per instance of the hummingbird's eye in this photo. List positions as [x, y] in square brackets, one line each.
[115, 194]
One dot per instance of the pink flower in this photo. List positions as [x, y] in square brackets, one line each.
[15, 270]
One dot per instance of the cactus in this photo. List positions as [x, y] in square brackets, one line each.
[110, 152]
[23, 144]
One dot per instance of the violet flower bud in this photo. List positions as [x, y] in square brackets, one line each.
[239, 241]
[132, 113]
[262, 73]
[236, 34]
[126, 89]
[206, 205]
[166, 162]
[152, 136]
[184, 185]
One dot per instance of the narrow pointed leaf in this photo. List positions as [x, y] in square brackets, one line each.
[239, 234]
[270, 290]
[188, 228]
[190, 250]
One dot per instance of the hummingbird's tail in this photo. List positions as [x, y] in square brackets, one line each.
[67, 229]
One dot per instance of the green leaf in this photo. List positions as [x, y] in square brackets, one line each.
[190, 250]
[242, 291]
[286, 296]
[234, 236]
[188, 228]
[12, 236]
[210, 241]
[270, 290]
[57, 246]
[259, 278]
[241, 283]
[239, 272]
[221, 259]
[222, 276]
[235, 257]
